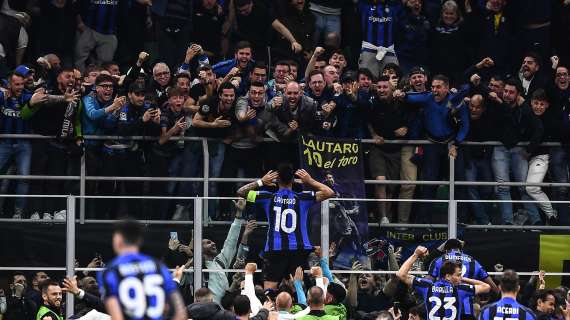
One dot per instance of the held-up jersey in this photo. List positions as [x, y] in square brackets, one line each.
[140, 283]
[378, 22]
[443, 300]
[11, 121]
[288, 215]
[470, 268]
[506, 309]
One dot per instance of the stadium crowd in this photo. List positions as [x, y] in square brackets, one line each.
[243, 70]
[455, 287]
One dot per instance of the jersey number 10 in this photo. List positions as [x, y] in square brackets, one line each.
[281, 220]
[134, 294]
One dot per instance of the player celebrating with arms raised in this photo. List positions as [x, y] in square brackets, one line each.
[444, 297]
[135, 286]
[288, 244]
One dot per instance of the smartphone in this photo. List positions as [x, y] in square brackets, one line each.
[173, 235]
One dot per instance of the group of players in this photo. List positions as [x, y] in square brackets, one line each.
[136, 286]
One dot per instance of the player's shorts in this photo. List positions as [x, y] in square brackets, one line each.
[384, 163]
[280, 264]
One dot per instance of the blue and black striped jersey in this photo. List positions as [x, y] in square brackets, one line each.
[443, 300]
[100, 15]
[11, 121]
[470, 268]
[288, 216]
[140, 283]
[506, 309]
[378, 21]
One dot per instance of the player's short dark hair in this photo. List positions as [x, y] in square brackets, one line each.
[260, 65]
[202, 295]
[540, 95]
[535, 56]
[337, 292]
[282, 63]
[104, 78]
[183, 74]
[224, 86]
[394, 67]
[441, 78]
[448, 268]
[338, 51]
[315, 296]
[498, 77]
[509, 281]
[242, 45]
[256, 84]
[366, 72]
[514, 82]
[451, 244]
[227, 301]
[44, 285]
[70, 69]
[242, 305]
[286, 172]
[543, 294]
[175, 92]
[92, 68]
[130, 230]
[314, 73]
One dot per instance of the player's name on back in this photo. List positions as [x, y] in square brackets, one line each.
[457, 257]
[280, 200]
[507, 310]
[438, 289]
[137, 268]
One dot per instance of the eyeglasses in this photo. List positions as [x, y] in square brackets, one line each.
[561, 75]
[105, 86]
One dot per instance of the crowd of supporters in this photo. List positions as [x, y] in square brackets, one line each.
[312, 292]
[243, 70]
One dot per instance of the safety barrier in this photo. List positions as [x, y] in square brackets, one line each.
[201, 209]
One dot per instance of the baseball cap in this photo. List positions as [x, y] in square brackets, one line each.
[418, 69]
[137, 88]
[22, 70]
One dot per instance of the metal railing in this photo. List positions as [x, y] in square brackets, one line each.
[206, 179]
[201, 207]
[197, 223]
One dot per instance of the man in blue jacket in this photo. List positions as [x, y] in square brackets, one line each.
[445, 121]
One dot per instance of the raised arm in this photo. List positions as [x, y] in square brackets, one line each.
[266, 180]
[282, 29]
[323, 191]
[480, 286]
[311, 65]
[403, 273]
